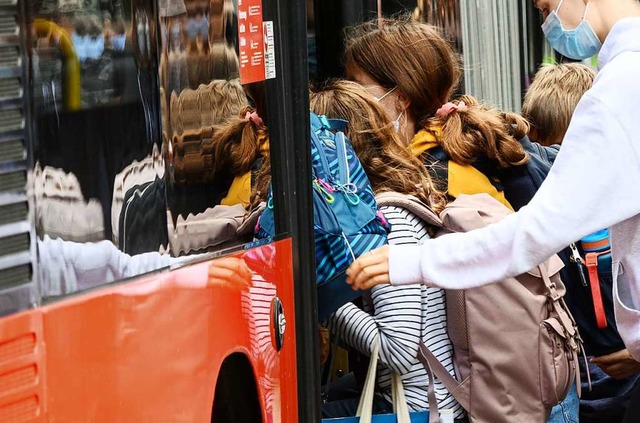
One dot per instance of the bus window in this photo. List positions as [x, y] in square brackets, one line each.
[128, 176]
[214, 139]
[94, 116]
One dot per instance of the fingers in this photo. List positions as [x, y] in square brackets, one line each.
[231, 272]
[370, 269]
[370, 276]
[376, 280]
[611, 358]
[617, 371]
[370, 258]
[618, 365]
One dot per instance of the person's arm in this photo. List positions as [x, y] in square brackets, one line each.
[397, 315]
[594, 183]
[396, 323]
[619, 365]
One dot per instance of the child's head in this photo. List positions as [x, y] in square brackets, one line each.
[386, 160]
[413, 71]
[411, 57]
[552, 98]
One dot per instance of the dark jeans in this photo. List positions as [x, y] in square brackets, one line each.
[633, 412]
[608, 399]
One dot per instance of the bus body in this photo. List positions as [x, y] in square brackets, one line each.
[114, 226]
[155, 349]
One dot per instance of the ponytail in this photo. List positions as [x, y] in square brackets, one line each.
[238, 142]
[471, 130]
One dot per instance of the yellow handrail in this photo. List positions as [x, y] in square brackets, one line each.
[71, 85]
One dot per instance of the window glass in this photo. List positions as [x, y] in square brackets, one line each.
[127, 111]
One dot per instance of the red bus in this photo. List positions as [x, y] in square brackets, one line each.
[114, 223]
[130, 287]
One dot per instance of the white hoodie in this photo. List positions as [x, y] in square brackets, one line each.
[593, 184]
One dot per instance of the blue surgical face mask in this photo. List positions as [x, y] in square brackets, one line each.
[578, 43]
[118, 42]
[80, 45]
[95, 47]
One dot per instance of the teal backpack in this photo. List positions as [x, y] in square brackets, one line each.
[346, 219]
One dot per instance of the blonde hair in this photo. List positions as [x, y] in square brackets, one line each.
[415, 58]
[552, 98]
[387, 162]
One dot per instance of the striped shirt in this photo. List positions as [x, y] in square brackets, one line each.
[402, 317]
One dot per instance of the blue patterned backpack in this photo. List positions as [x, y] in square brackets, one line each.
[346, 220]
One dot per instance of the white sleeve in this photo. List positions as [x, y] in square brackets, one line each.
[70, 266]
[594, 183]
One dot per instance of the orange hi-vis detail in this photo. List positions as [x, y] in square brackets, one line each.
[594, 282]
[596, 245]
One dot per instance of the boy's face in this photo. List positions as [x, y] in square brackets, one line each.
[570, 13]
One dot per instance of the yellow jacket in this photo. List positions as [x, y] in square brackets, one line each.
[454, 178]
[240, 189]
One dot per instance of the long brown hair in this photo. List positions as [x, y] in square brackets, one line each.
[238, 142]
[418, 60]
[478, 130]
[409, 55]
[386, 160]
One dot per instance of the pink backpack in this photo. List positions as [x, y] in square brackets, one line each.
[515, 343]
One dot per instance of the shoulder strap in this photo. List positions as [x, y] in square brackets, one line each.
[411, 203]
[433, 367]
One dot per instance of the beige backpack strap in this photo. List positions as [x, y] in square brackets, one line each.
[411, 203]
[434, 414]
[433, 367]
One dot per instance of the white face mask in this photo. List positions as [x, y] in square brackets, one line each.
[396, 121]
[379, 99]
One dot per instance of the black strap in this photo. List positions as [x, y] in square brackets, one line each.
[334, 347]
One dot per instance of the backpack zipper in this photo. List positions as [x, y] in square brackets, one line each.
[344, 161]
[579, 262]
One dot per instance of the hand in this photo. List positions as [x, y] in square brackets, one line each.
[618, 365]
[230, 272]
[369, 269]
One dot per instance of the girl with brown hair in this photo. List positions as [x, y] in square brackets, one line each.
[413, 72]
[400, 318]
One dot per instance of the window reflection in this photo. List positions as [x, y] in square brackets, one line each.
[95, 124]
[212, 148]
[129, 178]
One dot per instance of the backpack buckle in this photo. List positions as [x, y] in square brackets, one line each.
[324, 122]
[553, 292]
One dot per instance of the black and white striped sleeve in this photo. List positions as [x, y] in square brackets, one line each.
[397, 311]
